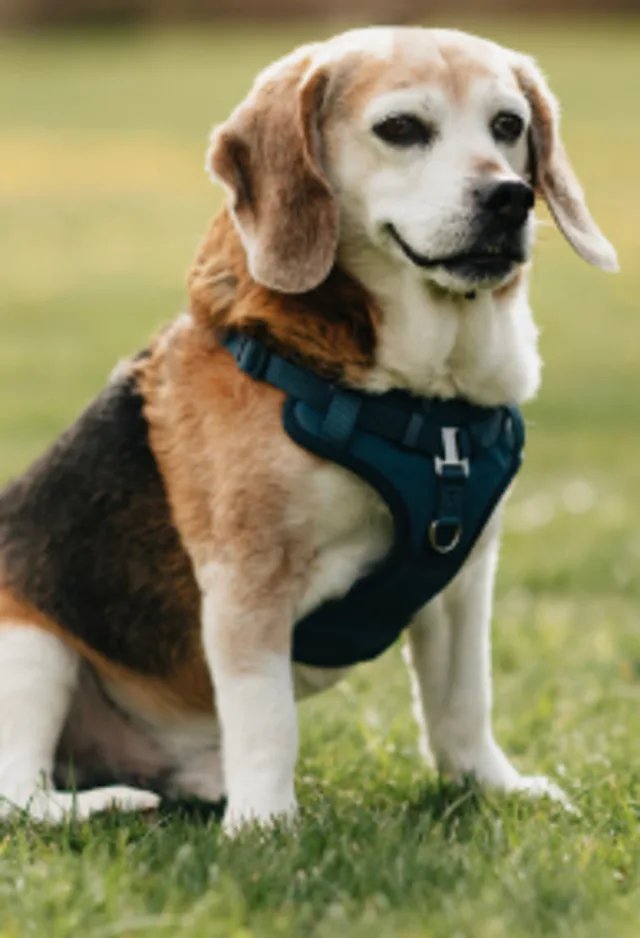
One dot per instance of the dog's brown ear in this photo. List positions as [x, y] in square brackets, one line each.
[268, 157]
[553, 176]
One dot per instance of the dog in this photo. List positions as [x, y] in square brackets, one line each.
[157, 563]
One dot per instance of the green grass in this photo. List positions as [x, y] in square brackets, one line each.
[102, 202]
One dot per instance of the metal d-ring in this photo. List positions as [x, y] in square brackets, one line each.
[447, 548]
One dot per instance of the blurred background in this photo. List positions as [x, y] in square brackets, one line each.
[33, 12]
[105, 110]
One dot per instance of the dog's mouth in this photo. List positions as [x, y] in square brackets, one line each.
[489, 264]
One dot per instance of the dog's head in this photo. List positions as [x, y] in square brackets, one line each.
[425, 146]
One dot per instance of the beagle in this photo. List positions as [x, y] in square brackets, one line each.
[157, 561]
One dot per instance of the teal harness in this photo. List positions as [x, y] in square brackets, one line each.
[441, 467]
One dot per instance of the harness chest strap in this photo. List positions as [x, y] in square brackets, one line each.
[441, 467]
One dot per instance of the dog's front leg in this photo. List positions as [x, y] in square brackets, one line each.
[247, 628]
[457, 703]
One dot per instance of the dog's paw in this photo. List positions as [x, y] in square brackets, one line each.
[114, 798]
[56, 807]
[238, 818]
[491, 769]
[538, 786]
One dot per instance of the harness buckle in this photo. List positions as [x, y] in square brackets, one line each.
[252, 357]
[445, 531]
[452, 459]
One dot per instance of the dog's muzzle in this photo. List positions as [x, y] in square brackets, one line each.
[485, 259]
[498, 235]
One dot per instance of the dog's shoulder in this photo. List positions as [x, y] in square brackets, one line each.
[216, 433]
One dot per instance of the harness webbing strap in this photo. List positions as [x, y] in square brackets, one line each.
[396, 416]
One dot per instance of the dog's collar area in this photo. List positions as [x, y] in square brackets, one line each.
[398, 416]
[440, 466]
[449, 432]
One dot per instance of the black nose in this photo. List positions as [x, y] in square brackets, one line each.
[510, 201]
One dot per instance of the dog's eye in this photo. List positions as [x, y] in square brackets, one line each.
[507, 127]
[404, 130]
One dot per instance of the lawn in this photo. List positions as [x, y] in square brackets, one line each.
[102, 201]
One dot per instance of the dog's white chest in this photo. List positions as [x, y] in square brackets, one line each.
[353, 530]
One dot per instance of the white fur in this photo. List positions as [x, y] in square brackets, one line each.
[449, 655]
[38, 675]
[478, 349]
[426, 192]
[257, 712]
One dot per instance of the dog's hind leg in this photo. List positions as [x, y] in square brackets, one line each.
[38, 678]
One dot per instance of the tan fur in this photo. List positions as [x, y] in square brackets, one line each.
[331, 328]
[451, 68]
[267, 156]
[234, 480]
[230, 473]
[553, 174]
[484, 167]
[360, 77]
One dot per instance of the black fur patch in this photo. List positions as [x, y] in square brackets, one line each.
[87, 538]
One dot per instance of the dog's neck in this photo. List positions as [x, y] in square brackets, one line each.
[375, 324]
[331, 329]
[437, 344]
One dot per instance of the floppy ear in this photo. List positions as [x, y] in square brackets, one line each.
[267, 156]
[553, 176]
